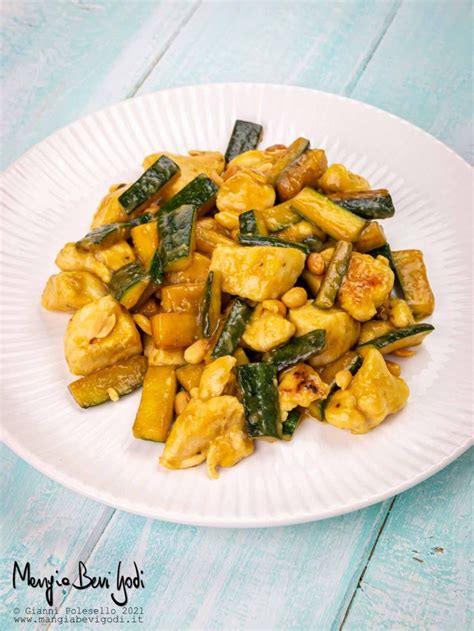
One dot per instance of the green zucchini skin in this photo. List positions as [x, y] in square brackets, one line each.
[108, 234]
[385, 250]
[233, 329]
[289, 426]
[177, 231]
[248, 223]
[199, 193]
[156, 269]
[334, 276]
[125, 278]
[211, 304]
[292, 153]
[259, 388]
[245, 136]
[148, 184]
[298, 349]
[280, 217]
[249, 239]
[383, 341]
[314, 244]
[369, 205]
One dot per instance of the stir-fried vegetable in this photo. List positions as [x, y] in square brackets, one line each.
[242, 291]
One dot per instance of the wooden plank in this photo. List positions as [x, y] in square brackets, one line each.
[420, 576]
[203, 578]
[321, 45]
[420, 70]
[63, 59]
[45, 524]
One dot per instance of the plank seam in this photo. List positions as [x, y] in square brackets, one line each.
[87, 550]
[361, 578]
[157, 59]
[352, 83]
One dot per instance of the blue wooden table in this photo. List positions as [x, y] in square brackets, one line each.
[402, 564]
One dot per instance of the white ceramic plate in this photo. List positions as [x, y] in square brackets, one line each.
[49, 196]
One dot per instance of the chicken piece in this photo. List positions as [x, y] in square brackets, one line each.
[110, 209]
[209, 162]
[245, 190]
[400, 314]
[162, 356]
[372, 395]
[366, 286]
[300, 385]
[306, 171]
[338, 179]
[342, 331]
[213, 429]
[68, 291]
[99, 262]
[261, 161]
[100, 334]
[215, 377]
[267, 330]
[257, 273]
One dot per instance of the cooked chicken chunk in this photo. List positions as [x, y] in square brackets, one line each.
[367, 284]
[267, 330]
[245, 190]
[99, 262]
[110, 210]
[372, 395]
[98, 335]
[68, 291]
[257, 273]
[300, 385]
[212, 429]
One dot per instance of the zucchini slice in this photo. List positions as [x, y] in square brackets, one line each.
[147, 188]
[369, 204]
[234, 326]
[185, 298]
[128, 284]
[155, 413]
[123, 378]
[298, 349]
[384, 250]
[280, 217]
[244, 137]
[156, 268]
[189, 375]
[292, 153]
[259, 388]
[177, 230]
[252, 223]
[314, 244]
[334, 276]
[211, 304]
[371, 238]
[289, 426]
[350, 361]
[108, 234]
[332, 219]
[248, 239]
[400, 338]
[412, 276]
[174, 330]
[199, 193]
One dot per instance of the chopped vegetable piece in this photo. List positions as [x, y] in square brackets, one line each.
[248, 239]
[287, 157]
[189, 375]
[211, 304]
[305, 171]
[177, 230]
[292, 422]
[106, 235]
[234, 326]
[400, 338]
[208, 239]
[182, 298]
[334, 220]
[147, 188]
[280, 217]
[174, 330]
[128, 284]
[335, 273]
[413, 278]
[252, 223]
[371, 237]
[195, 273]
[156, 268]
[367, 204]
[155, 414]
[297, 350]
[259, 388]
[123, 378]
[314, 244]
[244, 137]
[145, 241]
[200, 193]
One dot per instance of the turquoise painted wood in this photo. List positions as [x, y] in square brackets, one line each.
[65, 59]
